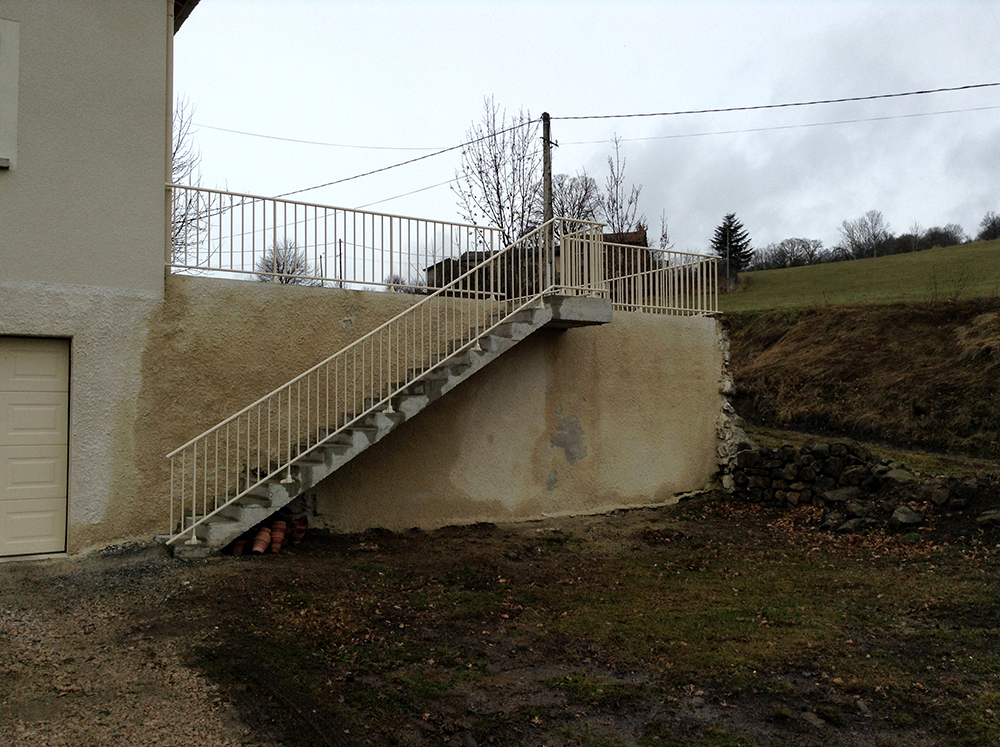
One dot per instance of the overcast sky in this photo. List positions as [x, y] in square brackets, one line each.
[413, 75]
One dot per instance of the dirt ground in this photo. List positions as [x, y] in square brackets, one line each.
[704, 623]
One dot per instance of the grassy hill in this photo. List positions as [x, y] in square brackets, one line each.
[950, 273]
[902, 349]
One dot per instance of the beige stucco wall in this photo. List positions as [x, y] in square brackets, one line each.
[583, 420]
[215, 346]
[85, 203]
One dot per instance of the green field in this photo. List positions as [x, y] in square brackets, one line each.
[955, 272]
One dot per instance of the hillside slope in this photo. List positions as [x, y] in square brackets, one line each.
[949, 273]
[924, 375]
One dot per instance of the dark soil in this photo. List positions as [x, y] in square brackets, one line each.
[711, 622]
[619, 629]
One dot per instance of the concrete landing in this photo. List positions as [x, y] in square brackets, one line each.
[577, 311]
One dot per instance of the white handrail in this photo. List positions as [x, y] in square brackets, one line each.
[265, 439]
[660, 281]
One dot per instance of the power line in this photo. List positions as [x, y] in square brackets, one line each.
[412, 160]
[648, 114]
[407, 194]
[785, 105]
[782, 127]
[714, 132]
[305, 142]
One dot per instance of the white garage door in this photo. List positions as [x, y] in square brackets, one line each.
[34, 426]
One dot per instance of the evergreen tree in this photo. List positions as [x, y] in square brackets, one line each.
[732, 243]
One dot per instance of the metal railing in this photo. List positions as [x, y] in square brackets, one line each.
[264, 440]
[286, 241]
[658, 281]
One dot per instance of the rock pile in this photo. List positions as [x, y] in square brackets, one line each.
[856, 490]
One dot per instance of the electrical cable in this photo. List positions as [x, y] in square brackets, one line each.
[412, 160]
[306, 142]
[759, 107]
[781, 127]
[407, 194]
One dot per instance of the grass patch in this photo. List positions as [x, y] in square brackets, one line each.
[662, 735]
[949, 273]
[598, 691]
[925, 462]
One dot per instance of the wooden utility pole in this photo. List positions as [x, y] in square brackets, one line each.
[547, 190]
[546, 167]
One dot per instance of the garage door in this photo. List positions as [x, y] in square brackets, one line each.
[34, 423]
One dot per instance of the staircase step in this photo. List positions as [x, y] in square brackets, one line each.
[495, 343]
[311, 459]
[334, 446]
[217, 528]
[410, 404]
[260, 493]
[351, 436]
[455, 359]
[385, 421]
[409, 389]
[247, 514]
[259, 496]
[514, 330]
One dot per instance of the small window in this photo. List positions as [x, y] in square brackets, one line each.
[8, 93]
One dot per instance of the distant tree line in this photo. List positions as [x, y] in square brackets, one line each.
[867, 236]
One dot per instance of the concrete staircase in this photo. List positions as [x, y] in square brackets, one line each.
[373, 425]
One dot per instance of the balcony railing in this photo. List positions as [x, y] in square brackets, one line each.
[263, 238]
[655, 281]
[229, 234]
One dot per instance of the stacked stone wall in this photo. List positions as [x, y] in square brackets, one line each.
[855, 489]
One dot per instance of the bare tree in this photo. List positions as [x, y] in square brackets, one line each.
[188, 213]
[620, 205]
[865, 236]
[576, 197]
[498, 181]
[915, 236]
[794, 252]
[413, 284]
[665, 244]
[989, 227]
[951, 234]
[284, 262]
